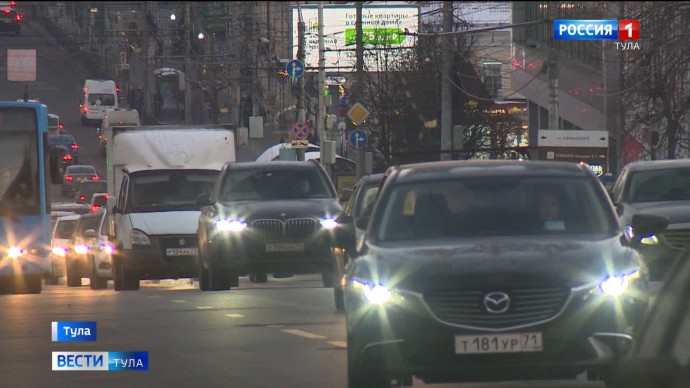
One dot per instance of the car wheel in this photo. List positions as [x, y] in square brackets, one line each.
[338, 298]
[258, 277]
[219, 279]
[123, 280]
[72, 275]
[204, 281]
[328, 278]
[97, 282]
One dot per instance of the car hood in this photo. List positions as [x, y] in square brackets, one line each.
[422, 267]
[284, 209]
[173, 222]
[676, 211]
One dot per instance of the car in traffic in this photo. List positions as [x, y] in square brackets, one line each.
[77, 208]
[62, 232]
[88, 188]
[98, 201]
[10, 21]
[67, 141]
[78, 257]
[99, 257]
[660, 187]
[75, 174]
[359, 204]
[659, 356]
[493, 270]
[266, 217]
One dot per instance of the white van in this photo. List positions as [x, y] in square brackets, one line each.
[120, 117]
[54, 125]
[97, 97]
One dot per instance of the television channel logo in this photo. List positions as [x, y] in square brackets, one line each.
[100, 361]
[624, 29]
[73, 331]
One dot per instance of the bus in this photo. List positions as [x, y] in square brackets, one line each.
[27, 168]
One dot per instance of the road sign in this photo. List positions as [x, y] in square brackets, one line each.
[358, 138]
[300, 131]
[300, 144]
[294, 68]
[21, 65]
[358, 113]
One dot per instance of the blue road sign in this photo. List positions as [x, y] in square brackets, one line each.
[294, 68]
[300, 131]
[358, 138]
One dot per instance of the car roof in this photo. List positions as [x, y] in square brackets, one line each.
[371, 178]
[273, 165]
[488, 168]
[71, 217]
[76, 166]
[646, 165]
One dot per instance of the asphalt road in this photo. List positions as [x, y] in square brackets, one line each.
[284, 333]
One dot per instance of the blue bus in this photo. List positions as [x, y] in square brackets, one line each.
[27, 167]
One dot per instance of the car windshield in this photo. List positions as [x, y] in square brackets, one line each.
[65, 228]
[83, 170]
[660, 185]
[273, 184]
[159, 190]
[505, 206]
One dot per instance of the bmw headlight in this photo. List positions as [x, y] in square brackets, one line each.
[617, 285]
[234, 226]
[139, 238]
[376, 294]
[329, 223]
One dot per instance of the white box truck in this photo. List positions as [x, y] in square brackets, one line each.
[154, 175]
[118, 117]
[97, 97]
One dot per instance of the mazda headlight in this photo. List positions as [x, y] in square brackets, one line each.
[649, 240]
[329, 223]
[617, 285]
[234, 226]
[139, 238]
[374, 294]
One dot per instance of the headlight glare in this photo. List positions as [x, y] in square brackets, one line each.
[615, 285]
[649, 240]
[377, 294]
[15, 252]
[59, 251]
[234, 226]
[81, 249]
[329, 223]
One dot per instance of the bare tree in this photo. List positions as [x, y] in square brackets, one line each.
[657, 74]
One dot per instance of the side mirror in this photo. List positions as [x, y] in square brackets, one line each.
[362, 222]
[90, 233]
[203, 199]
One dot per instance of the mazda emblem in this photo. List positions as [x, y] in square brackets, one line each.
[181, 241]
[496, 302]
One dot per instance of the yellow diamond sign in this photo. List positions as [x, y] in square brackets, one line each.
[358, 113]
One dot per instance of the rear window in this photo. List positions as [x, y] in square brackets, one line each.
[65, 228]
[80, 170]
[99, 200]
[102, 99]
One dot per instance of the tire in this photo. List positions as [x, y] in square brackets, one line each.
[123, 280]
[73, 277]
[338, 298]
[258, 277]
[328, 278]
[97, 282]
[29, 284]
[204, 280]
[219, 280]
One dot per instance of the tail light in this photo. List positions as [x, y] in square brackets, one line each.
[17, 17]
[69, 178]
[94, 208]
[82, 198]
[95, 178]
[7, 11]
[74, 146]
[67, 158]
[85, 109]
[60, 126]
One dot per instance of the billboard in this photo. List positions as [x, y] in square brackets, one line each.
[382, 27]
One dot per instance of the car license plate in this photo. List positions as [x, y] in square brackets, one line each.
[181, 251]
[285, 247]
[498, 343]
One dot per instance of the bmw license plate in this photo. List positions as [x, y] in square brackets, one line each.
[285, 247]
[181, 251]
[498, 343]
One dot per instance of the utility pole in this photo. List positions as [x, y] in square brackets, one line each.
[301, 111]
[446, 95]
[187, 62]
[322, 130]
[359, 83]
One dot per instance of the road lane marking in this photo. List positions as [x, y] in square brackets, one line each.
[339, 344]
[234, 315]
[178, 301]
[204, 307]
[304, 334]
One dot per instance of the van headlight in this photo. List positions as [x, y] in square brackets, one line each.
[139, 238]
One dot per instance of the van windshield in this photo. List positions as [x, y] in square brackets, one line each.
[102, 99]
